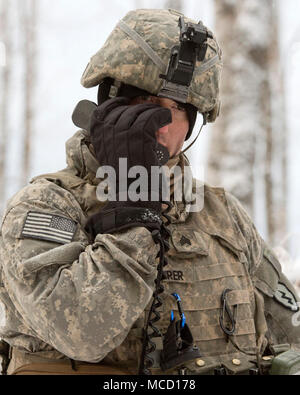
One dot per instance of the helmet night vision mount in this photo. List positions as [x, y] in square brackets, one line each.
[193, 46]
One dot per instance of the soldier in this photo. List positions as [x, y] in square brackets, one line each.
[93, 287]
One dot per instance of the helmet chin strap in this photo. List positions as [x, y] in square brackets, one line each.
[203, 123]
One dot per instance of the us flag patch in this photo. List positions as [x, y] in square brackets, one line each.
[49, 227]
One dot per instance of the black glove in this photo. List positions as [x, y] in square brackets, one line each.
[119, 130]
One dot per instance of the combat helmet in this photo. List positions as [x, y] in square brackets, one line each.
[163, 53]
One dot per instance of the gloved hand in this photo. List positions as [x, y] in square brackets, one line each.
[120, 130]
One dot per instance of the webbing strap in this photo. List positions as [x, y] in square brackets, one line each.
[142, 43]
[208, 64]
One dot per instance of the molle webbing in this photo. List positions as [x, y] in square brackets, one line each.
[142, 43]
[200, 266]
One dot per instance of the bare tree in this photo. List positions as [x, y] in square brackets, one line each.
[5, 69]
[28, 22]
[244, 139]
[278, 223]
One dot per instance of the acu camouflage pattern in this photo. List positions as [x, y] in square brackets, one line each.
[89, 300]
[65, 295]
[121, 58]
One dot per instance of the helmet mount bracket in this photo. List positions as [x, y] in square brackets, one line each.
[193, 46]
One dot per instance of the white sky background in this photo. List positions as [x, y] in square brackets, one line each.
[71, 31]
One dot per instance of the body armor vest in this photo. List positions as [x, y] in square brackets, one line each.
[204, 260]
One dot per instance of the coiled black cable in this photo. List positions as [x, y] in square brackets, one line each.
[149, 346]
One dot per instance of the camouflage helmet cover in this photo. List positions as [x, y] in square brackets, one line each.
[123, 57]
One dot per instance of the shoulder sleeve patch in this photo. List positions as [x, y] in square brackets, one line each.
[48, 227]
[285, 297]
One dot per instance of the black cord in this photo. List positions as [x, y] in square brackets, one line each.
[149, 346]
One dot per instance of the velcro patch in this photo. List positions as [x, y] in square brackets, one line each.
[48, 227]
[285, 297]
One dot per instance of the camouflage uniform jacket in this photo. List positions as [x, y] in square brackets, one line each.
[68, 296]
